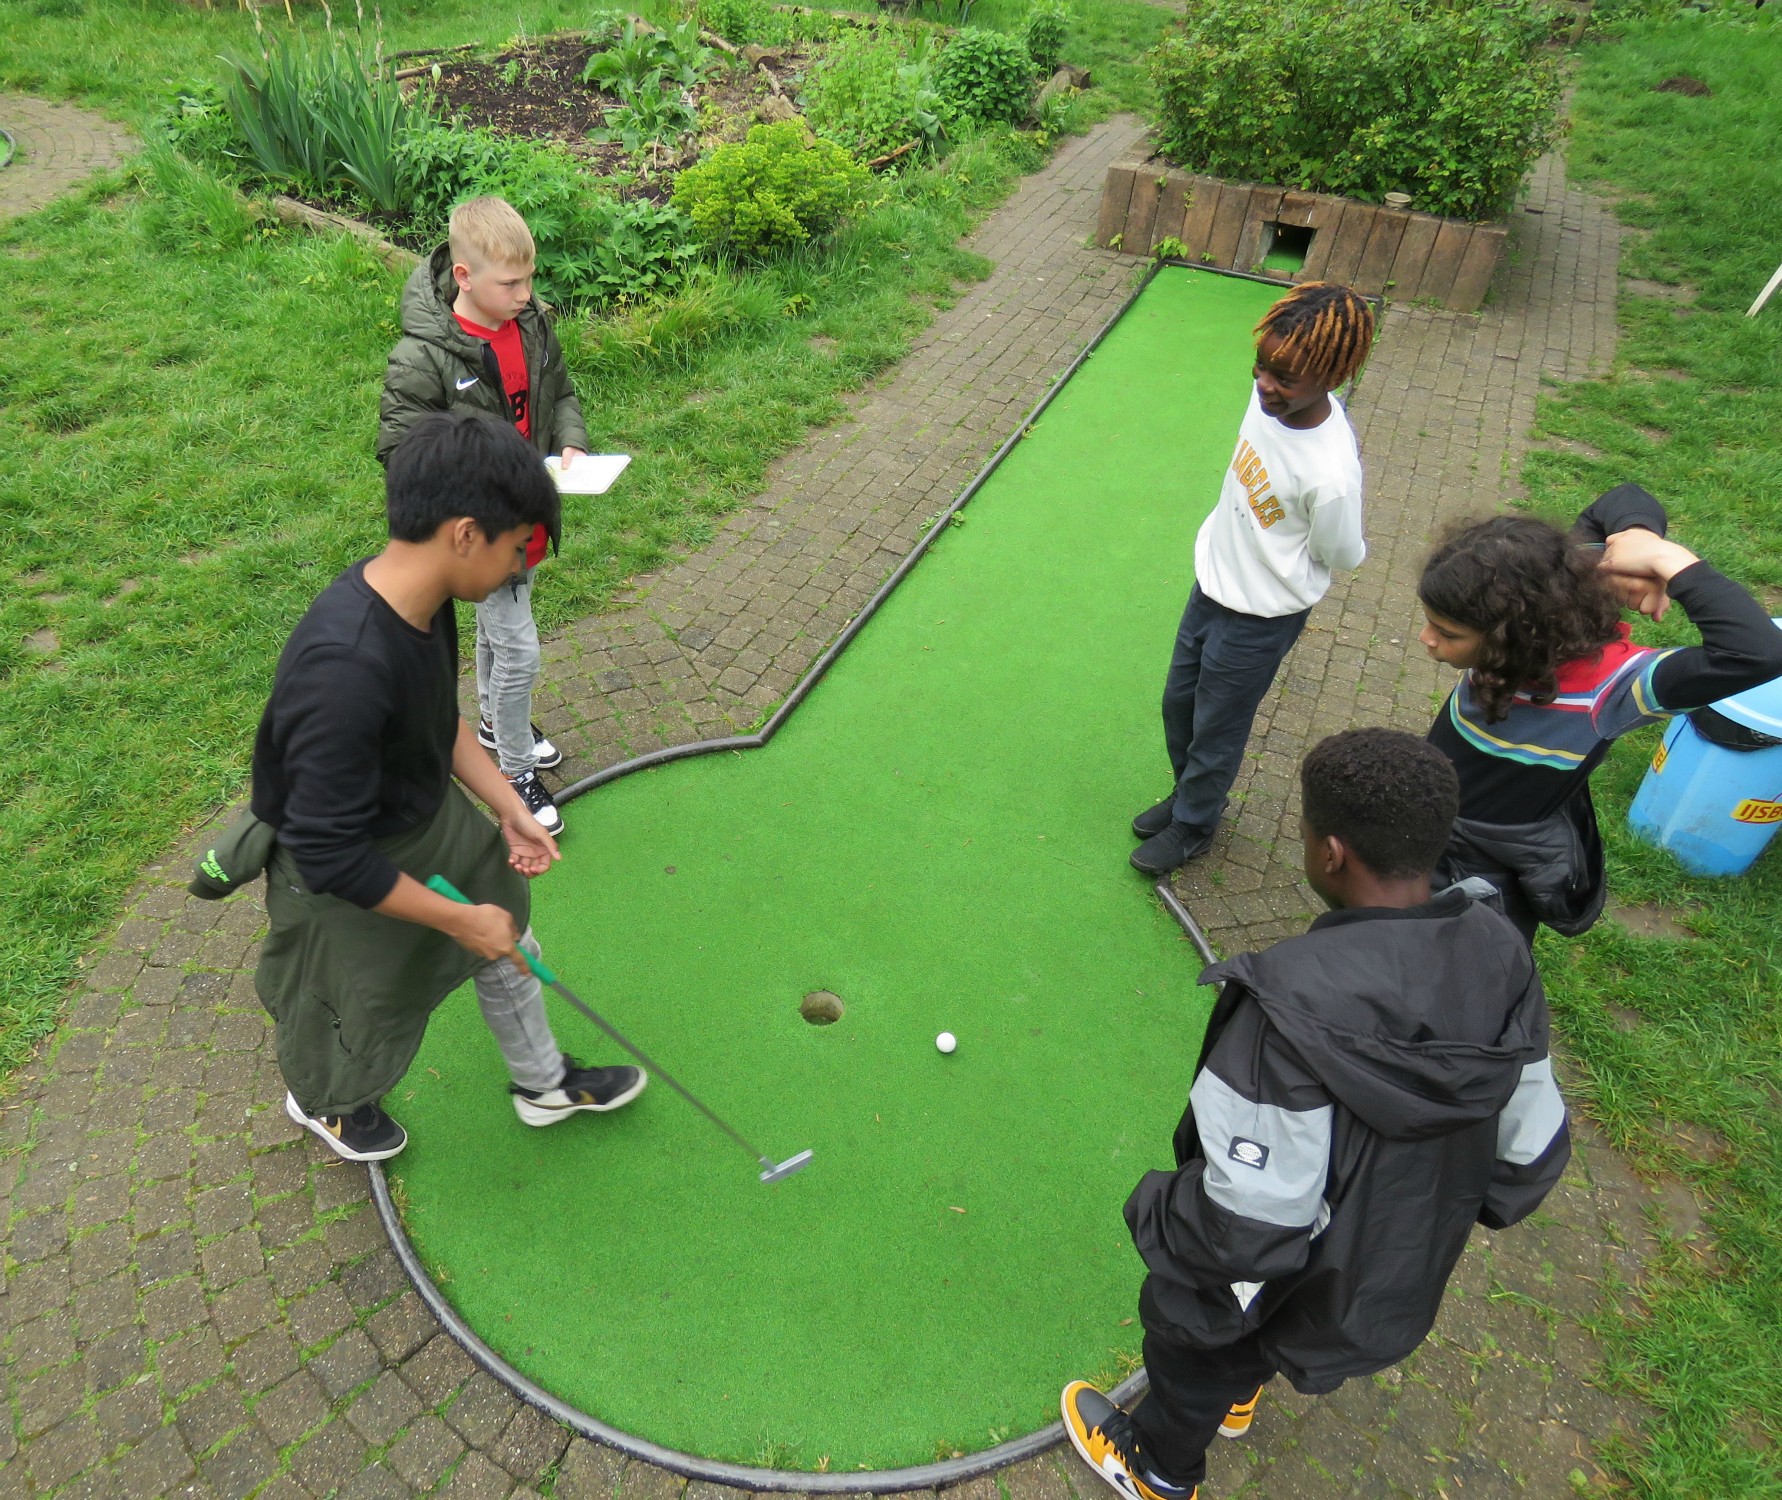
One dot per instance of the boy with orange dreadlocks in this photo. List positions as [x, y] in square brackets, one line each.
[1289, 513]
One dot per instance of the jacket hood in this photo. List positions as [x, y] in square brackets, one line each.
[1421, 1020]
[426, 309]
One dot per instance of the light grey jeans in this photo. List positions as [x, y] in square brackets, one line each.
[512, 1002]
[506, 669]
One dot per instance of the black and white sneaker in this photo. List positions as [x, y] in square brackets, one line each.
[545, 755]
[597, 1089]
[539, 801]
[367, 1134]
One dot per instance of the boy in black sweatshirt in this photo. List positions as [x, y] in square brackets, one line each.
[360, 767]
[1367, 1092]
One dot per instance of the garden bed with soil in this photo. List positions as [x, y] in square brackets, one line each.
[536, 90]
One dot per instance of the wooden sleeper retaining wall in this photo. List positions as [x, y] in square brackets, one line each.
[1232, 226]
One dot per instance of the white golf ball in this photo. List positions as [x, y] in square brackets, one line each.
[946, 1041]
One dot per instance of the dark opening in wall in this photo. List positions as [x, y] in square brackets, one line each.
[1285, 246]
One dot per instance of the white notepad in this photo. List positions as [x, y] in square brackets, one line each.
[591, 474]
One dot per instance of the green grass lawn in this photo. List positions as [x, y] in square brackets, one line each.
[185, 456]
[1680, 1040]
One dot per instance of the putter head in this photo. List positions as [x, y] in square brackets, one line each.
[786, 1168]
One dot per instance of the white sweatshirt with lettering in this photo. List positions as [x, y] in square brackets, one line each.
[1288, 513]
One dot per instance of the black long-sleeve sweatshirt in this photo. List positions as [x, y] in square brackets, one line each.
[356, 741]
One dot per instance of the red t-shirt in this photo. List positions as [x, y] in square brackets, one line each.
[511, 357]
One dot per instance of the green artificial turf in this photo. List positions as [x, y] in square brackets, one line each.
[938, 835]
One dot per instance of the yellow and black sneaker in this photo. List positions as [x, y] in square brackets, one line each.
[367, 1134]
[597, 1089]
[1103, 1434]
[1238, 1419]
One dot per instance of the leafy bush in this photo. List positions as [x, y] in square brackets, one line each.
[867, 94]
[745, 21]
[591, 247]
[984, 75]
[739, 21]
[198, 125]
[1043, 33]
[650, 72]
[321, 120]
[772, 191]
[1450, 105]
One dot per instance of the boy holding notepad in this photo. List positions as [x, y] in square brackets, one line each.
[473, 337]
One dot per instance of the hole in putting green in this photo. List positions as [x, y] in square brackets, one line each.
[821, 1008]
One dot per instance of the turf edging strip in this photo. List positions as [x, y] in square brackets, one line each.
[747, 1476]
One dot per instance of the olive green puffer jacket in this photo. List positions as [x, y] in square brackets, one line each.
[437, 366]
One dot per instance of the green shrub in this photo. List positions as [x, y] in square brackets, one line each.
[650, 72]
[1044, 33]
[592, 248]
[868, 94]
[198, 125]
[745, 21]
[770, 192]
[1450, 105]
[984, 75]
[739, 21]
[322, 120]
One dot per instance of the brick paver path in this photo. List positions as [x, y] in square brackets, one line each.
[199, 1302]
[59, 146]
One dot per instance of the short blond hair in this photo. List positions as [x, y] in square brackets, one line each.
[489, 232]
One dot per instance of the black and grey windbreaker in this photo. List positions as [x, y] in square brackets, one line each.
[1367, 1093]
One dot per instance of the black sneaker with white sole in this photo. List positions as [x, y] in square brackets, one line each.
[539, 801]
[367, 1134]
[545, 755]
[595, 1089]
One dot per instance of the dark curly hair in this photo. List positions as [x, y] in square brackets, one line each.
[1390, 796]
[1537, 599]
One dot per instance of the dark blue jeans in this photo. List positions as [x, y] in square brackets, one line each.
[1222, 669]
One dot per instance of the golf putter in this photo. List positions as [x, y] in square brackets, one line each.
[772, 1171]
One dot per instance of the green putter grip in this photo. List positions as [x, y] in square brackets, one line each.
[439, 885]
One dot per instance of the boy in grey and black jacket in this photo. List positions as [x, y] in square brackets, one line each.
[1367, 1092]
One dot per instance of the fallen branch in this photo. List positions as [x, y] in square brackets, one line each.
[712, 39]
[772, 82]
[302, 216]
[432, 51]
[886, 160]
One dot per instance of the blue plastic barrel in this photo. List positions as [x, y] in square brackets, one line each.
[1713, 794]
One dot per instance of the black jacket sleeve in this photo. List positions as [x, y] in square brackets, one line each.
[1625, 506]
[1741, 647]
[1245, 1206]
[334, 708]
